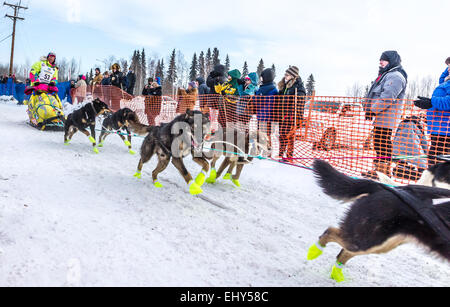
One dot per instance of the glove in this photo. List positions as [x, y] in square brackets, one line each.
[52, 84]
[370, 116]
[423, 103]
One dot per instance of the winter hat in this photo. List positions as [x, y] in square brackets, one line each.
[268, 75]
[158, 80]
[83, 78]
[293, 71]
[200, 80]
[193, 84]
[392, 57]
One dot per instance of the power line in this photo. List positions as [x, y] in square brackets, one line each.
[6, 38]
[17, 8]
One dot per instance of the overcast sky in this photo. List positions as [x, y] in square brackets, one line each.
[340, 42]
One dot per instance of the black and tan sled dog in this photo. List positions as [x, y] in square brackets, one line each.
[381, 218]
[172, 143]
[84, 118]
[122, 122]
[238, 148]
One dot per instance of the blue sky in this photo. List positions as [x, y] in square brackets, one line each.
[340, 42]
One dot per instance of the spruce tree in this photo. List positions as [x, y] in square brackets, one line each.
[194, 68]
[208, 60]
[245, 70]
[260, 68]
[172, 70]
[215, 57]
[227, 63]
[140, 85]
[310, 85]
[159, 72]
[162, 75]
[201, 64]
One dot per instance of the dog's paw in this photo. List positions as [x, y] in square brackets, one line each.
[138, 175]
[227, 176]
[315, 252]
[132, 152]
[195, 189]
[337, 274]
[127, 143]
[96, 150]
[158, 185]
[236, 183]
[67, 143]
[100, 144]
[200, 180]
[92, 140]
[212, 177]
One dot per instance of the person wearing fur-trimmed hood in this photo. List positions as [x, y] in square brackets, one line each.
[117, 77]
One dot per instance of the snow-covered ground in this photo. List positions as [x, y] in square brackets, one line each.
[69, 217]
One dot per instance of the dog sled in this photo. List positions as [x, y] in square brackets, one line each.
[45, 110]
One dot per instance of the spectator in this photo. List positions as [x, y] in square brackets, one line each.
[203, 90]
[4, 79]
[117, 77]
[106, 79]
[383, 106]
[131, 81]
[80, 89]
[411, 132]
[290, 106]
[217, 77]
[158, 80]
[187, 98]
[236, 82]
[153, 101]
[72, 84]
[438, 119]
[265, 100]
[146, 90]
[98, 78]
[249, 89]
[446, 74]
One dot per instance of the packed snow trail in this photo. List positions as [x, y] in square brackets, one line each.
[69, 217]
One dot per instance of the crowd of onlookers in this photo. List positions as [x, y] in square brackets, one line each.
[256, 94]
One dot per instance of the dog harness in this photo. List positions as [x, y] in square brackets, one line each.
[424, 210]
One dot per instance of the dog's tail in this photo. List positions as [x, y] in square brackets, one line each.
[340, 186]
[383, 178]
[140, 129]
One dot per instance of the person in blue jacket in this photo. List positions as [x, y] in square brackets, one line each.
[264, 98]
[249, 89]
[446, 74]
[438, 118]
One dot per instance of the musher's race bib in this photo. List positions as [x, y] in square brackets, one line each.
[46, 74]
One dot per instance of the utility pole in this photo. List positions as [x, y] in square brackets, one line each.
[14, 18]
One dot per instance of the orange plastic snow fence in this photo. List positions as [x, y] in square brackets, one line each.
[356, 135]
